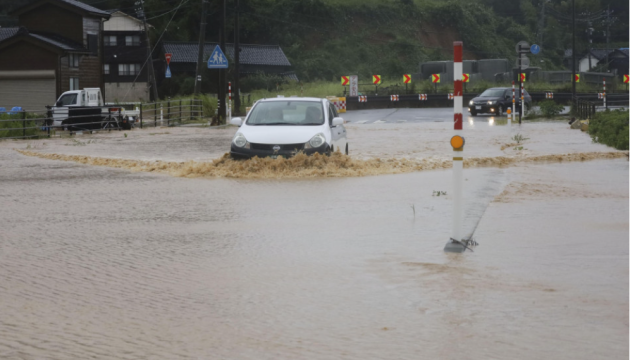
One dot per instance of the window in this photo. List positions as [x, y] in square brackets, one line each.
[128, 69]
[92, 43]
[110, 40]
[290, 112]
[68, 99]
[73, 61]
[106, 69]
[74, 83]
[132, 40]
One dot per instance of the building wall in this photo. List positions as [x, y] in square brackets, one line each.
[91, 26]
[120, 22]
[24, 55]
[125, 92]
[54, 19]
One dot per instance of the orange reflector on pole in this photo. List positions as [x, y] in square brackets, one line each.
[457, 142]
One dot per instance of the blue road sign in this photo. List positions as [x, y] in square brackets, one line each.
[535, 49]
[217, 59]
[168, 72]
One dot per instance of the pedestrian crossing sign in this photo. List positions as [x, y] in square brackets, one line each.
[217, 59]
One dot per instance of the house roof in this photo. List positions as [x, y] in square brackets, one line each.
[186, 52]
[6, 33]
[74, 3]
[51, 39]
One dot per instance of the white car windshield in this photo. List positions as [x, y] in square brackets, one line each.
[289, 112]
[493, 93]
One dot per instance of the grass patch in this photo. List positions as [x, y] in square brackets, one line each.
[610, 128]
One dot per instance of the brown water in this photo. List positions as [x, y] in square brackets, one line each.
[103, 262]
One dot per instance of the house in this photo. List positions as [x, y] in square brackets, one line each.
[125, 69]
[591, 59]
[268, 59]
[57, 47]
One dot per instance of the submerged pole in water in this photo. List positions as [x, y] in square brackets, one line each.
[455, 243]
[509, 118]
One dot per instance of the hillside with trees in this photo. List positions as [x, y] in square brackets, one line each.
[325, 38]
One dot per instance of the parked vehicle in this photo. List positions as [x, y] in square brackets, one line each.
[282, 127]
[497, 101]
[85, 109]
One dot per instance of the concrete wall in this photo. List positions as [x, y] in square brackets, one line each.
[117, 91]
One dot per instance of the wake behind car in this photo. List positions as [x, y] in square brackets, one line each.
[285, 126]
[497, 101]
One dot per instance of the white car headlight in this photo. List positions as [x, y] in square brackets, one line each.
[491, 102]
[316, 141]
[239, 140]
[471, 103]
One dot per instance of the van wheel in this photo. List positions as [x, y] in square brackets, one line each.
[346, 148]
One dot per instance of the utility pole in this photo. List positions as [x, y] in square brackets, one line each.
[589, 32]
[573, 55]
[222, 72]
[151, 71]
[541, 24]
[237, 57]
[607, 38]
[202, 40]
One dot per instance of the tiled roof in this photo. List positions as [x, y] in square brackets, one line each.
[78, 4]
[59, 42]
[52, 39]
[250, 54]
[600, 53]
[6, 33]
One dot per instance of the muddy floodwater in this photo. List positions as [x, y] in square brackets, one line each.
[103, 260]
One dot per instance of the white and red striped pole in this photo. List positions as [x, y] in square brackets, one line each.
[522, 101]
[604, 93]
[513, 100]
[229, 101]
[456, 244]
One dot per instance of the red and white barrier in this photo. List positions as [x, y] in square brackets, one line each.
[362, 98]
[422, 97]
[451, 96]
[394, 97]
[548, 95]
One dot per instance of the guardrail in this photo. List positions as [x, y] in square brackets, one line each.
[443, 100]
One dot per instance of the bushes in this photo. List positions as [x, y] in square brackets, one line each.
[610, 128]
[550, 109]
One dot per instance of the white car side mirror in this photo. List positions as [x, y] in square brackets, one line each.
[236, 121]
[337, 121]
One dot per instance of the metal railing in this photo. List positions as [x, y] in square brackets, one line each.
[587, 108]
[180, 112]
[40, 124]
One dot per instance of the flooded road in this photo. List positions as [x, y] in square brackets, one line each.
[107, 263]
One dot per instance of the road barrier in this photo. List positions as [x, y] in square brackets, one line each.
[442, 100]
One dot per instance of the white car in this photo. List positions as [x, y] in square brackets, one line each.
[285, 126]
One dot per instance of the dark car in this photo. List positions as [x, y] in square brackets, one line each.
[497, 101]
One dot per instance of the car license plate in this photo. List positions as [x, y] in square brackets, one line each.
[478, 107]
